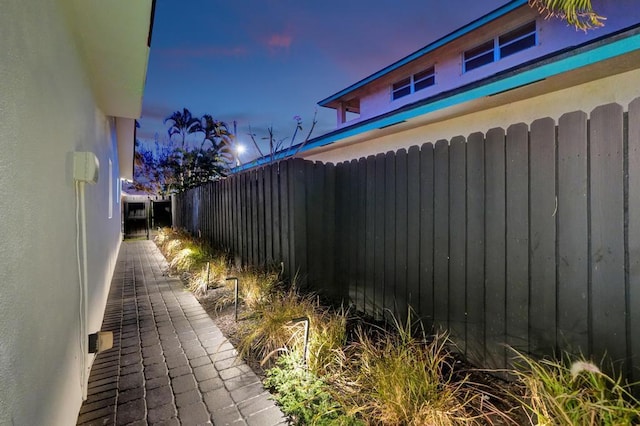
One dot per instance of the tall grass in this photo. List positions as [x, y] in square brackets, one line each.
[399, 378]
[573, 392]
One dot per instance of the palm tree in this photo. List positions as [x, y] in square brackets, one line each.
[182, 124]
[217, 133]
[579, 13]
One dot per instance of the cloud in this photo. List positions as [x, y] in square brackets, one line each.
[203, 52]
[279, 41]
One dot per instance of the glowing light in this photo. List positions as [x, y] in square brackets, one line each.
[240, 149]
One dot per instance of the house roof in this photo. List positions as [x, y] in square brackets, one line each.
[599, 58]
[491, 16]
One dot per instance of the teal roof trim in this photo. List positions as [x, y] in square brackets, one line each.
[567, 62]
[501, 11]
[591, 56]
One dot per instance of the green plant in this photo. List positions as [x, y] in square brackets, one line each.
[327, 335]
[573, 392]
[271, 328]
[304, 396]
[254, 288]
[396, 377]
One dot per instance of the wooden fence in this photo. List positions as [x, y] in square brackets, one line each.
[528, 236]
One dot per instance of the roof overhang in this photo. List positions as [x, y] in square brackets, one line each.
[592, 61]
[334, 100]
[113, 38]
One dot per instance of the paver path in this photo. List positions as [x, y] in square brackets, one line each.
[170, 364]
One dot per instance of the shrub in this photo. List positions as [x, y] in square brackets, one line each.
[304, 396]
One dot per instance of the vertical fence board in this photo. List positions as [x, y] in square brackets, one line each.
[400, 282]
[276, 217]
[517, 308]
[573, 277]
[413, 227]
[390, 231]
[608, 332]
[299, 214]
[329, 204]
[268, 216]
[379, 236]
[441, 234]
[342, 224]
[542, 211]
[633, 253]
[457, 241]
[351, 232]
[426, 232]
[361, 232]
[475, 248]
[262, 246]
[495, 231]
[370, 209]
[315, 223]
[255, 236]
[284, 218]
[242, 216]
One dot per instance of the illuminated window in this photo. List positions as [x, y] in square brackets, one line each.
[414, 83]
[110, 189]
[502, 46]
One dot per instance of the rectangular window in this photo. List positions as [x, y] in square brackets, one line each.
[502, 46]
[424, 79]
[519, 39]
[110, 189]
[479, 56]
[417, 81]
[401, 88]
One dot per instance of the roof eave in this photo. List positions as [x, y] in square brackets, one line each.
[491, 16]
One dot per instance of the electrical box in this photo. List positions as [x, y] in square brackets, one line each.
[85, 167]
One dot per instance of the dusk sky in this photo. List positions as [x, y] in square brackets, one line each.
[262, 62]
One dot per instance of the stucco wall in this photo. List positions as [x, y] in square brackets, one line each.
[48, 112]
[621, 88]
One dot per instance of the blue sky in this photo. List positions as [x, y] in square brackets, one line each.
[262, 62]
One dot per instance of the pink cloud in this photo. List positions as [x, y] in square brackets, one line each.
[279, 41]
[204, 52]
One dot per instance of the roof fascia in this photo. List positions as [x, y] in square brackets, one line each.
[568, 63]
[491, 16]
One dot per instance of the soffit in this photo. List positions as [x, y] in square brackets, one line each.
[112, 37]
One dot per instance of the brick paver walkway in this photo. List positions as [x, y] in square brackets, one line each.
[170, 364]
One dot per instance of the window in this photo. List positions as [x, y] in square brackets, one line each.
[504, 45]
[424, 79]
[111, 183]
[518, 39]
[412, 84]
[479, 56]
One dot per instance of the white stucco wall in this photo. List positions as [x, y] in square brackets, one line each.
[48, 112]
[621, 88]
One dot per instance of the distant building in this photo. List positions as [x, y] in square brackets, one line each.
[72, 76]
[511, 65]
